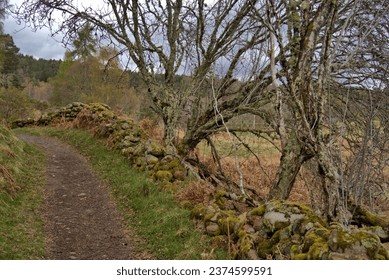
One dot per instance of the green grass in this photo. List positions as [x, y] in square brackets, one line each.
[156, 217]
[21, 235]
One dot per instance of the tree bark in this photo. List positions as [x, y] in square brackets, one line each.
[292, 158]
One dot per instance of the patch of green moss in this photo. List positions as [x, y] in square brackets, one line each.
[266, 247]
[230, 224]
[163, 175]
[245, 243]
[382, 252]
[258, 211]
[370, 241]
[316, 237]
[156, 149]
[295, 250]
[318, 250]
[198, 211]
[209, 216]
[301, 256]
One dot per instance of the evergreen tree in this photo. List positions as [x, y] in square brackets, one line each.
[8, 62]
[84, 45]
[3, 12]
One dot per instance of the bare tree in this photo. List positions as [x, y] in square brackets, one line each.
[314, 47]
[164, 39]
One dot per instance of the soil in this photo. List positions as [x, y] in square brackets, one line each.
[80, 220]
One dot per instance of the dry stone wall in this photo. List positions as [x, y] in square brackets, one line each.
[286, 230]
[123, 134]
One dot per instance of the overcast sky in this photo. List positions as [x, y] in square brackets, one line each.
[38, 44]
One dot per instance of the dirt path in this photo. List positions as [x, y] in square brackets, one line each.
[81, 222]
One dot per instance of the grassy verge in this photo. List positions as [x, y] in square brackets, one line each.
[156, 217]
[21, 235]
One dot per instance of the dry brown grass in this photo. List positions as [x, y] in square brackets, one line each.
[152, 129]
[198, 191]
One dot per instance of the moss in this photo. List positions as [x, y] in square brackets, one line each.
[175, 163]
[140, 161]
[220, 194]
[245, 243]
[368, 218]
[163, 175]
[210, 215]
[295, 250]
[258, 211]
[370, 241]
[318, 251]
[383, 252]
[300, 257]
[228, 224]
[156, 149]
[127, 152]
[98, 107]
[266, 247]
[280, 225]
[339, 238]
[169, 166]
[316, 237]
[198, 211]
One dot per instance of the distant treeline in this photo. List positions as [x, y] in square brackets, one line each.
[38, 69]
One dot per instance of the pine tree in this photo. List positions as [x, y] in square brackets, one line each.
[3, 12]
[84, 45]
[8, 62]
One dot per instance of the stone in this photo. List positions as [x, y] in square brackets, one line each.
[213, 229]
[179, 175]
[163, 175]
[252, 255]
[248, 229]
[380, 232]
[155, 149]
[257, 223]
[151, 160]
[277, 220]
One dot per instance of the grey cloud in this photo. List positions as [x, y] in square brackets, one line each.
[38, 44]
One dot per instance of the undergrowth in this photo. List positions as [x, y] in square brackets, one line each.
[21, 192]
[155, 216]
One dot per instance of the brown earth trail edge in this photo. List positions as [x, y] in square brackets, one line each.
[80, 219]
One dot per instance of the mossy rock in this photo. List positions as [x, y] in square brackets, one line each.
[279, 214]
[288, 207]
[258, 211]
[301, 256]
[172, 165]
[127, 152]
[358, 244]
[151, 160]
[96, 107]
[156, 149]
[245, 243]
[198, 211]
[140, 161]
[379, 231]
[266, 247]
[213, 229]
[139, 150]
[315, 235]
[179, 175]
[163, 175]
